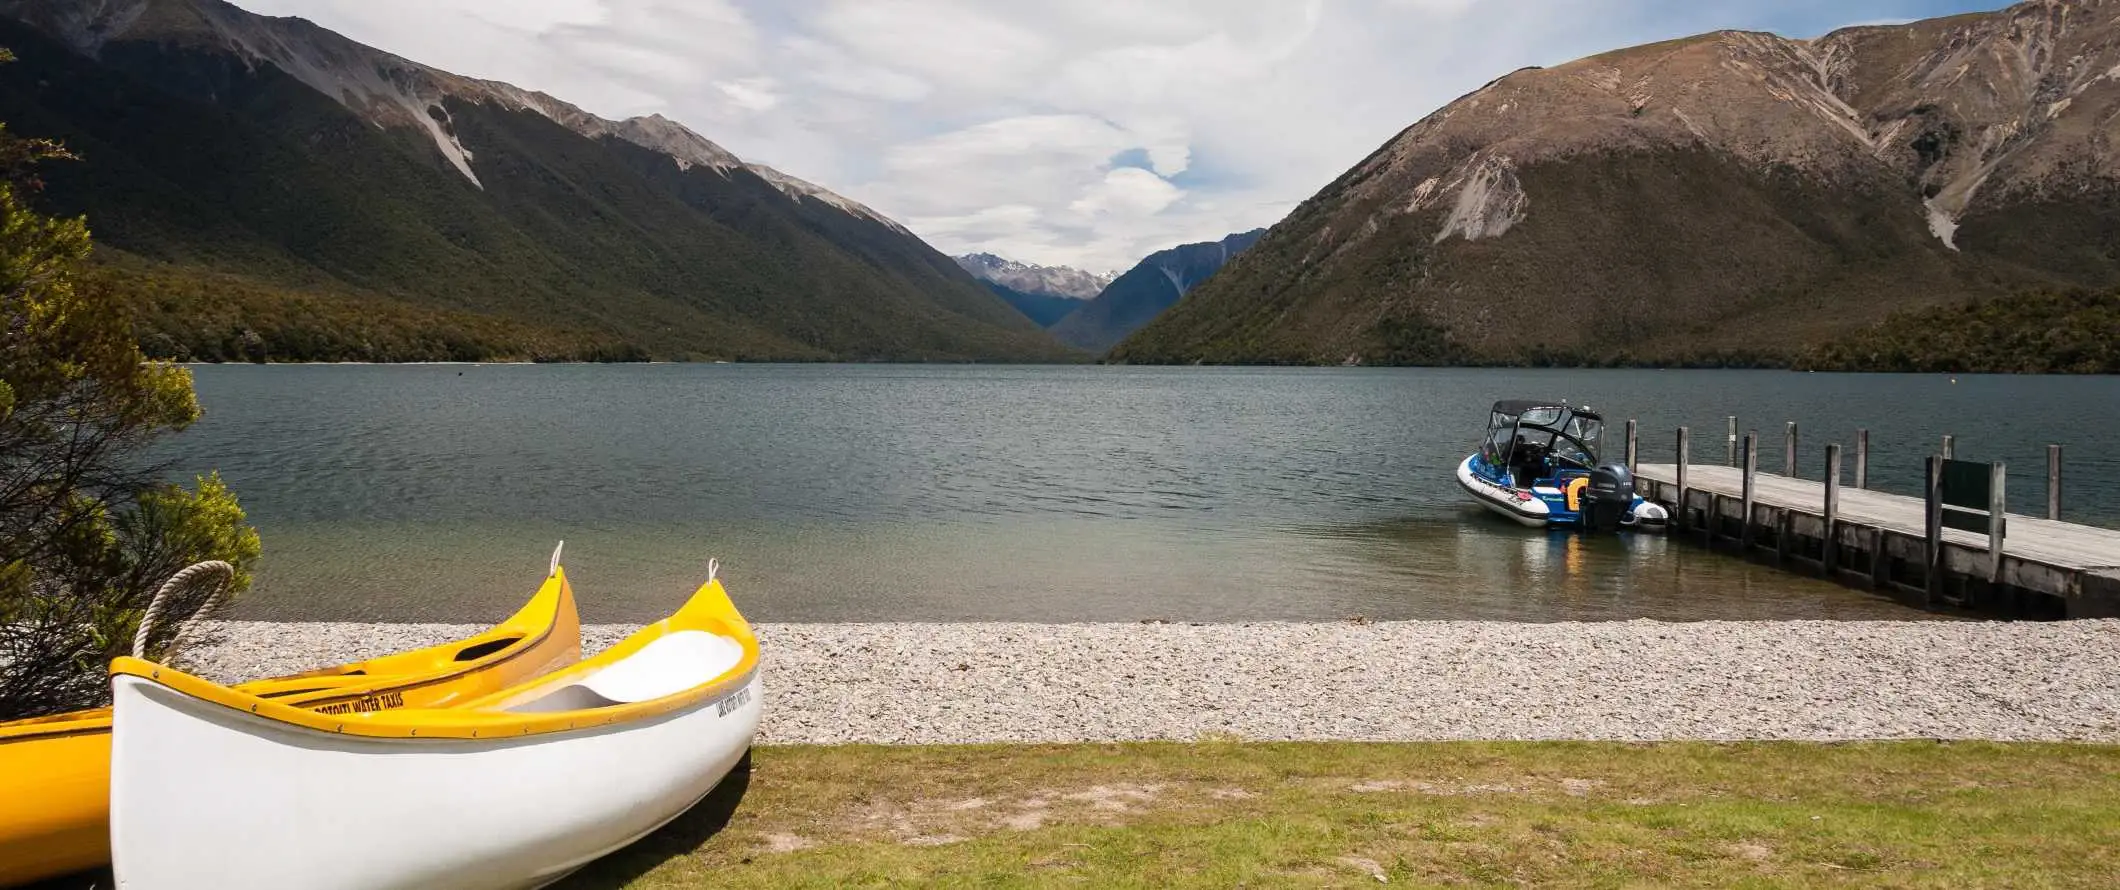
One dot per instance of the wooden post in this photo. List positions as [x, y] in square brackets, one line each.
[2053, 482]
[1633, 448]
[1862, 458]
[1933, 582]
[1950, 448]
[1751, 469]
[1789, 453]
[1998, 520]
[1880, 560]
[1730, 459]
[1685, 449]
[1830, 556]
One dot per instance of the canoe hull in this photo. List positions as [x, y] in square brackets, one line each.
[57, 791]
[54, 821]
[321, 810]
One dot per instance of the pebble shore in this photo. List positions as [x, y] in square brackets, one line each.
[1387, 681]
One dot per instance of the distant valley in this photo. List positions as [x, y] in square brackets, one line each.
[1093, 320]
[1044, 294]
[1146, 291]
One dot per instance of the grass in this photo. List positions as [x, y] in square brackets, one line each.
[1226, 814]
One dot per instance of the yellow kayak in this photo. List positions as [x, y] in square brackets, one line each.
[54, 806]
[547, 775]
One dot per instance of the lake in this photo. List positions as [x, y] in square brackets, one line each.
[984, 493]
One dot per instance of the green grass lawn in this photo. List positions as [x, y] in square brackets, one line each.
[1227, 814]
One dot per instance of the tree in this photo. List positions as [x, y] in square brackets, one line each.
[87, 533]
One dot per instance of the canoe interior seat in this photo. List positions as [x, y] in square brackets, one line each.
[667, 666]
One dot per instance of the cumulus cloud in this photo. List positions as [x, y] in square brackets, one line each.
[1087, 133]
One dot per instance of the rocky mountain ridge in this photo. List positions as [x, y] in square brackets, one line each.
[1057, 281]
[385, 89]
[1733, 195]
[269, 190]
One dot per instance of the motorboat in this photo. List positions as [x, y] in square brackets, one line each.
[55, 800]
[214, 787]
[1539, 466]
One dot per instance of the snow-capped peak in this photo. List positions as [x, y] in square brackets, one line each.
[1059, 281]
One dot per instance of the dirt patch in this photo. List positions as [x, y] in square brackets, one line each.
[1366, 866]
[1026, 819]
[787, 843]
[1581, 787]
[1232, 794]
[935, 821]
[1751, 852]
[1116, 798]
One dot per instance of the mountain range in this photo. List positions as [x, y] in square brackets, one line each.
[1045, 294]
[264, 188]
[1731, 198]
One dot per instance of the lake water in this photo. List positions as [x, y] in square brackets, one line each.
[941, 493]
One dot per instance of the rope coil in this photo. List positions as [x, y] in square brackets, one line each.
[220, 574]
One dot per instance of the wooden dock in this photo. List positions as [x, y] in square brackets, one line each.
[2048, 568]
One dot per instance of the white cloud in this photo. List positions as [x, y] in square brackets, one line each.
[1089, 132]
[1127, 192]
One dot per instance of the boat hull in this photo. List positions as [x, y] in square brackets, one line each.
[1501, 499]
[328, 811]
[54, 814]
[1545, 507]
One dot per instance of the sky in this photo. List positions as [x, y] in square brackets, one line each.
[1086, 133]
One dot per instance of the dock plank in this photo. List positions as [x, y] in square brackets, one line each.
[2063, 545]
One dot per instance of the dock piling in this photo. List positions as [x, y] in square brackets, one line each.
[1685, 449]
[1751, 472]
[1998, 521]
[1932, 557]
[2053, 482]
[1730, 459]
[1830, 554]
[1633, 447]
[1862, 458]
[1950, 448]
[1789, 453]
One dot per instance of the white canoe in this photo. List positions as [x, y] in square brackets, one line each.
[212, 788]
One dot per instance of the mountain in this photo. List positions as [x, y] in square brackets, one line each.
[1144, 292]
[1044, 294]
[265, 188]
[1728, 198]
[1058, 281]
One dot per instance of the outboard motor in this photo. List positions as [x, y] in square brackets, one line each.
[1608, 498]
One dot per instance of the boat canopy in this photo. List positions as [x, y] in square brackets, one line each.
[1525, 433]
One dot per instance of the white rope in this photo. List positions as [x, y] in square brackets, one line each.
[713, 569]
[554, 569]
[223, 574]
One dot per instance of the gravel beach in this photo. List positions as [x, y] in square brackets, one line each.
[1391, 681]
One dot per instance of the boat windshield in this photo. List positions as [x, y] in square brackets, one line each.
[1578, 441]
[1535, 433]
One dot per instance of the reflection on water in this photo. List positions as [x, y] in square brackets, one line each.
[838, 493]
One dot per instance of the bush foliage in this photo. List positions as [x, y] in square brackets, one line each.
[86, 535]
[2042, 332]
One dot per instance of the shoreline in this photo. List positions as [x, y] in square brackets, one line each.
[1637, 681]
